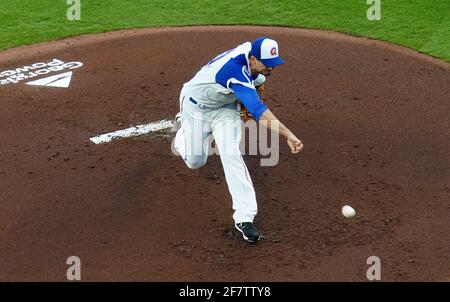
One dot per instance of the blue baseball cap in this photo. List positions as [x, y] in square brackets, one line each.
[266, 51]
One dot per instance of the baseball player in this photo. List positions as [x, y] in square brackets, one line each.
[211, 103]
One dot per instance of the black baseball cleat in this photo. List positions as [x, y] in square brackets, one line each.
[248, 231]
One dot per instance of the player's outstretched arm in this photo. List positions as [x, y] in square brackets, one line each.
[261, 113]
[270, 121]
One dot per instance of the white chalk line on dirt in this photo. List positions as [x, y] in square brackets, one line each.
[132, 131]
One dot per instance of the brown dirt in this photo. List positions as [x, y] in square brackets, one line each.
[373, 117]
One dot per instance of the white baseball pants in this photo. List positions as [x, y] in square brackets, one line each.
[192, 141]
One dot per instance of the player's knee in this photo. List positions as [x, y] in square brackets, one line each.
[195, 162]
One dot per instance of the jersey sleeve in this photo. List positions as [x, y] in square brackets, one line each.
[250, 99]
[235, 72]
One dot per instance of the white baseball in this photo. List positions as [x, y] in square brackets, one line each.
[348, 211]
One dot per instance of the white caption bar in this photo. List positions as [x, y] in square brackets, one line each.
[133, 131]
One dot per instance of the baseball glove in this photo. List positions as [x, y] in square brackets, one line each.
[245, 114]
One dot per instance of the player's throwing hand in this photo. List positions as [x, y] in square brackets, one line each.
[294, 143]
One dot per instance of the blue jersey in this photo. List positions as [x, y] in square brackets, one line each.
[225, 79]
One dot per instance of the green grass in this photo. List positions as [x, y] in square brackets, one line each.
[418, 24]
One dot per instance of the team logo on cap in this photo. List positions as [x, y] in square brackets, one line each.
[273, 51]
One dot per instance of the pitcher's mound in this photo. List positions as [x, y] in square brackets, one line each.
[373, 117]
